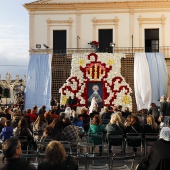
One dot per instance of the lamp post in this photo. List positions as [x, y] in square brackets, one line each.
[112, 45]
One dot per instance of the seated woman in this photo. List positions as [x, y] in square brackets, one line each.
[48, 117]
[17, 117]
[95, 127]
[121, 117]
[12, 152]
[106, 115]
[85, 118]
[114, 127]
[23, 130]
[136, 128]
[151, 126]
[54, 130]
[127, 121]
[55, 158]
[39, 125]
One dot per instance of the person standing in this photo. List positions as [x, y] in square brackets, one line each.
[168, 110]
[74, 103]
[53, 102]
[163, 109]
[42, 110]
[154, 112]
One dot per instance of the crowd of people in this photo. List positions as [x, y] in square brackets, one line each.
[66, 123]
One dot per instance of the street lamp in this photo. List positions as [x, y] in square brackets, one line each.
[112, 45]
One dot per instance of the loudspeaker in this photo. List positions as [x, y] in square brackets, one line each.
[6, 93]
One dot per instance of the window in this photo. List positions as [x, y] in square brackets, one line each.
[151, 40]
[59, 41]
[105, 38]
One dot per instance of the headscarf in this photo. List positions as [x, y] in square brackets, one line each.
[165, 134]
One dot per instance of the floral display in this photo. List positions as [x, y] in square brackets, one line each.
[97, 68]
[94, 44]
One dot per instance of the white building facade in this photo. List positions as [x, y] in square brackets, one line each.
[132, 25]
[129, 22]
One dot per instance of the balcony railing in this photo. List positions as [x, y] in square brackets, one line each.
[129, 51]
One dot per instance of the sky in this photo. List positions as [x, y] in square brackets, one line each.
[14, 38]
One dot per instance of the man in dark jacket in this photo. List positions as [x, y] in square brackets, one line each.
[42, 110]
[12, 152]
[164, 110]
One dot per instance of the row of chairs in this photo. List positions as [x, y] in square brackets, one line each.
[86, 150]
[91, 161]
[88, 157]
[133, 140]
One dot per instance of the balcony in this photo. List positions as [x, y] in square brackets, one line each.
[129, 51]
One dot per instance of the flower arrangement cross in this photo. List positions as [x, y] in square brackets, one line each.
[94, 44]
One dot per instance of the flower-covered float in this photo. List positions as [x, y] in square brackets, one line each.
[99, 75]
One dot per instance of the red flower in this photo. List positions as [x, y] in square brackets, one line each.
[94, 43]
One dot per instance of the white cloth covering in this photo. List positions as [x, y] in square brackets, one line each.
[142, 83]
[38, 84]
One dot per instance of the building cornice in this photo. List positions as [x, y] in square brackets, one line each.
[98, 6]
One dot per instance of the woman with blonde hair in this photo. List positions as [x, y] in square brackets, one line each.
[115, 119]
[114, 127]
[151, 126]
[55, 158]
